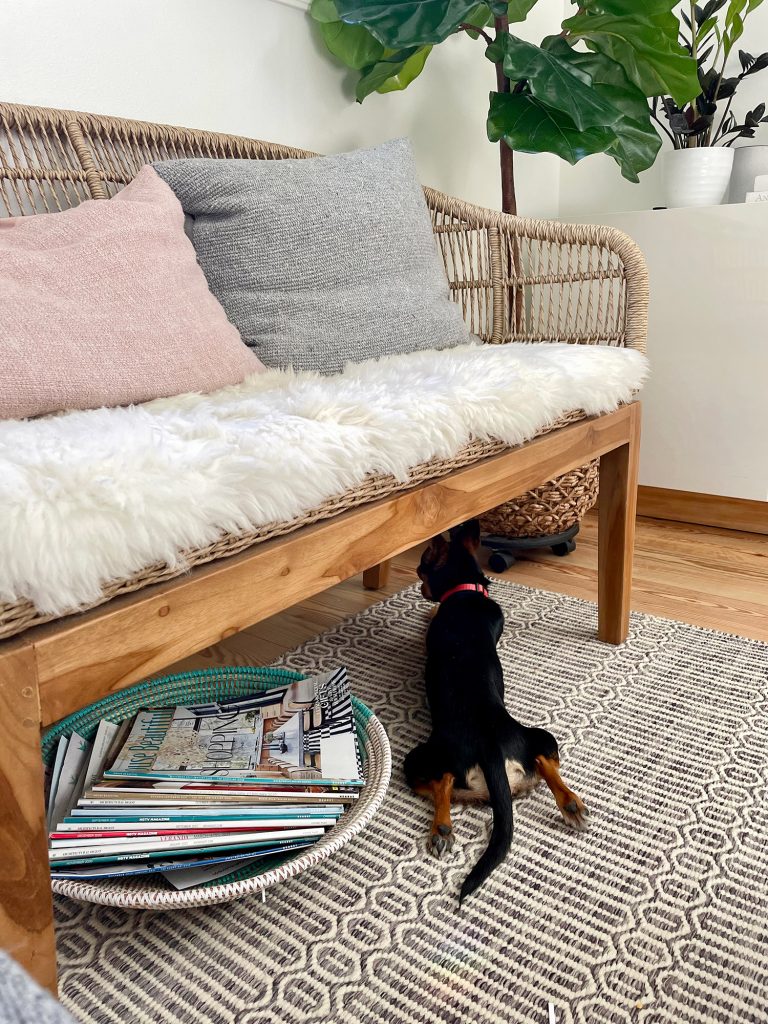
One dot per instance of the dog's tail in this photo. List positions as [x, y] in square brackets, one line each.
[500, 798]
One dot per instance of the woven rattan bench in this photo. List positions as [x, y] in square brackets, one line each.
[515, 279]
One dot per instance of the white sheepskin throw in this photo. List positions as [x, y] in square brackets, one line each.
[90, 497]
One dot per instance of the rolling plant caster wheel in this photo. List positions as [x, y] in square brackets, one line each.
[500, 561]
[565, 548]
[506, 550]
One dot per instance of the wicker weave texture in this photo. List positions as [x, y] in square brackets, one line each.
[550, 509]
[146, 892]
[514, 278]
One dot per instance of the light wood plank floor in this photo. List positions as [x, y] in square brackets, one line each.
[709, 577]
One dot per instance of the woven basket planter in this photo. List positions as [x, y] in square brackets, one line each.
[548, 510]
[146, 892]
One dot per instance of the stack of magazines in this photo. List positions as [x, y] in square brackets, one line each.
[205, 791]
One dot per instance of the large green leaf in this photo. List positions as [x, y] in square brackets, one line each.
[518, 10]
[647, 48]
[323, 11]
[610, 81]
[636, 147]
[637, 141]
[556, 83]
[353, 45]
[411, 69]
[393, 73]
[404, 23]
[625, 7]
[483, 14]
[526, 125]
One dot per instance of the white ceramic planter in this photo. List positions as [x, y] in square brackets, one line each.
[748, 162]
[698, 176]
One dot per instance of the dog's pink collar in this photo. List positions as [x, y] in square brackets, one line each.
[478, 587]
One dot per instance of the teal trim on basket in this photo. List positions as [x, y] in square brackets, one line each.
[200, 685]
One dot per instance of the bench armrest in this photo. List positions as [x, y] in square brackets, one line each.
[541, 281]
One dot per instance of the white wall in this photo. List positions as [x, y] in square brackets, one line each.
[256, 68]
[595, 186]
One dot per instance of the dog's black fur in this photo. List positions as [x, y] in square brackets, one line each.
[465, 689]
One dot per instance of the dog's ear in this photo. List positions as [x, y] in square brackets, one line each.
[468, 535]
[436, 551]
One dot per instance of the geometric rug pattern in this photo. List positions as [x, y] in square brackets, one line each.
[657, 914]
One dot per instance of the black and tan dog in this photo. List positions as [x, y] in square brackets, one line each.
[476, 750]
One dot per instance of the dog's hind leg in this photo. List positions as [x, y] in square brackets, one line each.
[440, 790]
[571, 807]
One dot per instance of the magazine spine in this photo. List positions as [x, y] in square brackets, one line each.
[75, 848]
[118, 858]
[95, 821]
[211, 828]
[259, 780]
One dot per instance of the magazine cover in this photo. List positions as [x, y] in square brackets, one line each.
[303, 731]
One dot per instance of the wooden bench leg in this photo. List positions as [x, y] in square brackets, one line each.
[376, 577]
[616, 535]
[26, 908]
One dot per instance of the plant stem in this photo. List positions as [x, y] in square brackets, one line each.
[664, 128]
[722, 72]
[727, 107]
[508, 198]
[722, 119]
[692, 140]
[464, 27]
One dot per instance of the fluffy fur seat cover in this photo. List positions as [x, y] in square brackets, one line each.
[90, 497]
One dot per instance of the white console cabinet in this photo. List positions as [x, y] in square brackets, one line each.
[705, 423]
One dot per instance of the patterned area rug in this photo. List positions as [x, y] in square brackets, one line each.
[658, 913]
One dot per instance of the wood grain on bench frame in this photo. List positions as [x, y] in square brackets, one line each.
[58, 668]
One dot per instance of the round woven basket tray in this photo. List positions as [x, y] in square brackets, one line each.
[548, 510]
[148, 892]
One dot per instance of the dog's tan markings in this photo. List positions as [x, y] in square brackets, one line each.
[477, 787]
[571, 807]
[441, 792]
[520, 783]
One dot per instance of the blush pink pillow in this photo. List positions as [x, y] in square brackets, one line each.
[105, 304]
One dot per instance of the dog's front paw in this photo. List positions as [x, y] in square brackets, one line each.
[440, 843]
[575, 814]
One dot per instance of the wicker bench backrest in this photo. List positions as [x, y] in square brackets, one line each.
[514, 278]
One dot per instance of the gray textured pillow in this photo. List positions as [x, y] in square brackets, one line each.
[323, 260]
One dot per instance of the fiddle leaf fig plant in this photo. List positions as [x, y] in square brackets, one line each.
[580, 92]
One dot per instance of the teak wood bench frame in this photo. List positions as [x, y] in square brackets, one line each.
[54, 669]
